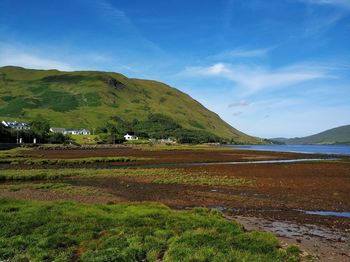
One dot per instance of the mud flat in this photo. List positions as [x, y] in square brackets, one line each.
[267, 196]
[320, 242]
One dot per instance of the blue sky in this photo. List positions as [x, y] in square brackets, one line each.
[269, 68]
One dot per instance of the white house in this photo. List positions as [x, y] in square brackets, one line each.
[79, 131]
[15, 125]
[57, 130]
[70, 131]
[130, 137]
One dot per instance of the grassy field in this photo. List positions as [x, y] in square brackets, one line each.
[78, 161]
[84, 139]
[156, 175]
[16, 157]
[62, 231]
[55, 187]
[179, 147]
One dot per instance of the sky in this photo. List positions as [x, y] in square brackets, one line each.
[277, 68]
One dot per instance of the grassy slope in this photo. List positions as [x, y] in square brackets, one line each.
[87, 99]
[335, 135]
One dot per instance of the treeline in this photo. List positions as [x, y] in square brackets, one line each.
[39, 130]
[156, 126]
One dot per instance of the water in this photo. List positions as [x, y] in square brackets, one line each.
[319, 213]
[328, 213]
[309, 149]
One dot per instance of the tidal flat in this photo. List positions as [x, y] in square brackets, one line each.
[265, 197]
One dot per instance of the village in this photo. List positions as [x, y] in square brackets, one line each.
[23, 126]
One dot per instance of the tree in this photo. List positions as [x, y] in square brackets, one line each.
[5, 134]
[58, 138]
[40, 128]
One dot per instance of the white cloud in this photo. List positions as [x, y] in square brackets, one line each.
[24, 59]
[256, 78]
[17, 54]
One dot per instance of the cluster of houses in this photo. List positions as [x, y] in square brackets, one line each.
[70, 131]
[65, 131]
[15, 125]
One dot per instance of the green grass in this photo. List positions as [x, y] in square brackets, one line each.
[52, 174]
[85, 139]
[179, 147]
[156, 175]
[88, 99]
[62, 231]
[77, 161]
[137, 142]
[52, 187]
[12, 153]
[203, 180]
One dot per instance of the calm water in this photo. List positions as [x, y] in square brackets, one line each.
[317, 149]
[329, 213]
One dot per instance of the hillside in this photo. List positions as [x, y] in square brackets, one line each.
[89, 98]
[338, 135]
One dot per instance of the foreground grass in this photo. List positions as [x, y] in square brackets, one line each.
[156, 175]
[61, 231]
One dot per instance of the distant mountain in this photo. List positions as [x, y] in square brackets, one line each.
[88, 99]
[279, 139]
[338, 135]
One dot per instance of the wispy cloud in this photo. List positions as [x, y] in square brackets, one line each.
[111, 13]
[257, 78]
[339, 3]
[238, 113]
[114, 15]
[242, 53]
[241, 103]
[317, 25]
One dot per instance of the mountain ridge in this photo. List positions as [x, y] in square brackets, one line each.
[89, 98]
[337, 135]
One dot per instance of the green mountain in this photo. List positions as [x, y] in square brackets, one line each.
[338, 135]
[89, 98]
